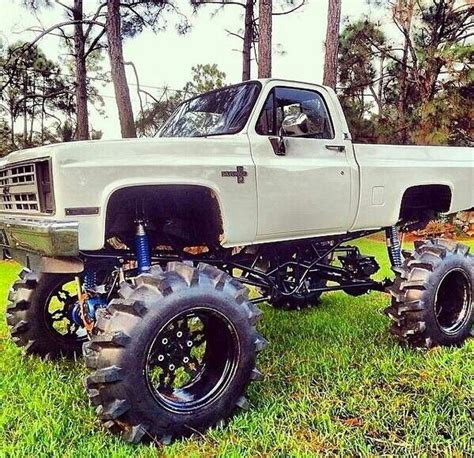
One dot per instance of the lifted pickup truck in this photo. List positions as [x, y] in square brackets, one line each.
[140, 249]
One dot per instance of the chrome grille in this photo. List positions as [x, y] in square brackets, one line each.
[19, 189]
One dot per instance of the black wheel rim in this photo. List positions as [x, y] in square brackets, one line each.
[192, 359]
[58, 314]
[453, 301]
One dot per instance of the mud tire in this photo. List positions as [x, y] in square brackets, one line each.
[432, 295]
[117, 353]
[27, 320]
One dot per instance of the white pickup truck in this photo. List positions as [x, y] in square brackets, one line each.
[258, 184]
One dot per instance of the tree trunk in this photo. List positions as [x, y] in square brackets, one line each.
[12, 124]
[402, 99]
[404, 15]
[248, 37]
[381, 80]
[82, 130]
[33, 114]
[265, 39]
[42, 111]
[332, 43]
[42, 122]
[119, 77]
[25, 111]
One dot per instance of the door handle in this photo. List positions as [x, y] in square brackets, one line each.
[338, 148]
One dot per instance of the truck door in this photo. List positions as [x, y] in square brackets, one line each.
[308, 190]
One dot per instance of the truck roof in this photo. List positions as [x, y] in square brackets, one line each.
[284, 80]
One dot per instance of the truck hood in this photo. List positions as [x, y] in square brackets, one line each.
[72, 152]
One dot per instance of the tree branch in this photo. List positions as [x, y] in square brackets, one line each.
[62, 34]
[94, 43]
[217, 2]
[383, 50]
[234, 34]
[94, 18]
[282, 13]
[150, 95]
[69, 8]
[59, 26]
[376, 98]
[26, 46]
[35, 96]
[138, 84]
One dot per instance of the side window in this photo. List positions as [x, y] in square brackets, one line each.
[283, 102]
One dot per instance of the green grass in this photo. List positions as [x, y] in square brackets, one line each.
[336, 384]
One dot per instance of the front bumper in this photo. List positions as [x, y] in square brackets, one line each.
[43, 238]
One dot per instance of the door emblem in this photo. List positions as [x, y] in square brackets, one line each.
[240, 174]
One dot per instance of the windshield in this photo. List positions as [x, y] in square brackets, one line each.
[224, 111]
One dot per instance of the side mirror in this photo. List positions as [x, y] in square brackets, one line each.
[278, 145]
[295, 125]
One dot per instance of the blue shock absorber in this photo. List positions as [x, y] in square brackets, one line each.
[142, 248]
[394, 246]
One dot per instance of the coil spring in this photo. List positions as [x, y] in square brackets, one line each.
[90, 279]
[142, 248]
[394, 246]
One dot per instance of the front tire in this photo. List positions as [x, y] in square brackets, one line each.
[39, 315]
[432, 296]
[174, 354]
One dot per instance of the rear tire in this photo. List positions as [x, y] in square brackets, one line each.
[159, 373]
[432, 296]
[299, 301]
[39, 316]
[303, 299]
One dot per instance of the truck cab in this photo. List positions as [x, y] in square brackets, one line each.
[301, 147]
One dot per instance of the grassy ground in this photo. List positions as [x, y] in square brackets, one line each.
[336, 384]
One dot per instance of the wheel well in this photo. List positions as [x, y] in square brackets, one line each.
[176, 215]
[421, 201]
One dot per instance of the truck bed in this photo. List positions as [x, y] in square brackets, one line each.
[387, 171]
